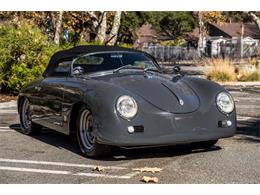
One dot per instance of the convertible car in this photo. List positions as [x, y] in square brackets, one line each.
[112, 96]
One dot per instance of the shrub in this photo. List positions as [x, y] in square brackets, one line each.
[126, 45]
[176, 42]
[221, 70]
[249, 75]
[25, 52]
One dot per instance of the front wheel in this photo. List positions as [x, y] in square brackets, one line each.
[86, 137]
[27, 126]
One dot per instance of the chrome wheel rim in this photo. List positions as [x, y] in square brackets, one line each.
[86, 129]
[26, 121]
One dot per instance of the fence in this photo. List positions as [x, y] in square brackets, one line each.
[232, 48]
[226, 49]
[171, 53]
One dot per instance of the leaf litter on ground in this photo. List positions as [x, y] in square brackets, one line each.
[148, 179]
[98, 168]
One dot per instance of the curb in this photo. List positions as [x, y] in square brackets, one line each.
[244, 84]
[11, 104]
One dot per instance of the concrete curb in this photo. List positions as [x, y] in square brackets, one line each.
[256, 83]
[11, 104]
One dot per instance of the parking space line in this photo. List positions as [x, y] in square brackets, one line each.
[132, 174]
[63, 172]
[8, 111]
[7, 130]
[58, 164]
[245, 118]
[248, 106]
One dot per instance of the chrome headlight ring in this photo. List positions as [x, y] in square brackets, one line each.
[126, 106]
[225, 102]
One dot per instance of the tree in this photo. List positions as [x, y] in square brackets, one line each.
[58, 26]
[130, 22]
[236, 16]
[102, 28]
[177, 24]
[213, 17]
[25, 51]
[203, 19]
[112, 38]
[255, 18]
[40, 19]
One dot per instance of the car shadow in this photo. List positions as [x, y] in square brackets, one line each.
[53, 138]
[158, 152]
[249, 130]
[60, 140]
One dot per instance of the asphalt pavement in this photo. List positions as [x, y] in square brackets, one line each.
[51, 157]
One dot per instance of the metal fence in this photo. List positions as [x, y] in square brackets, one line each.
[171, 53]
[232, 48]
[227, 49]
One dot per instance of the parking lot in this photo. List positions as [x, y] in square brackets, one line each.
[51, 157]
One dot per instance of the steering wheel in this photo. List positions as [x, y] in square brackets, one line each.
[78, 70]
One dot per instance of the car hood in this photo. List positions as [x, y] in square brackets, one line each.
[174, 97]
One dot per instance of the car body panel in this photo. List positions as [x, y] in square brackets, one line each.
[171, 109]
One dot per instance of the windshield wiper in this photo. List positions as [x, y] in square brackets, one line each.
[152, 70]
[128, 66]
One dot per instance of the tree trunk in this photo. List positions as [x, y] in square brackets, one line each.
[115, 27]
[58, 26]
[53, 19]
[201, 33]
[102, 28]
[94, 19]
[255, 19]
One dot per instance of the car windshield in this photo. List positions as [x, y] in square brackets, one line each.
[91, 63]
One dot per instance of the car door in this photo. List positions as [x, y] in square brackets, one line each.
[52, 94]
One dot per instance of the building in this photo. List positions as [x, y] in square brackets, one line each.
[234, 30]
[233, 40]
[147, 35]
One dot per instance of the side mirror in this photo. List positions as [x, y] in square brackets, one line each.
[176, 69]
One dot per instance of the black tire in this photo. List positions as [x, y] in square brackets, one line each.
[86, 138]
[204, 144]
[27, 126]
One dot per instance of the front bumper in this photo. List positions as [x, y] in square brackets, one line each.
[164, 128]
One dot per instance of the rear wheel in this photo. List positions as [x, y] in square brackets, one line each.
[27, 126]
[86, 137]
[204, 144]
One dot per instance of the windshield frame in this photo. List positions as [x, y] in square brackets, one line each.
[105, 52]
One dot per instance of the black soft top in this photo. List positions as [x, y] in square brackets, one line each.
[70, 54]
[79, 50]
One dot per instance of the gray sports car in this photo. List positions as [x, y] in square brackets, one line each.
[113, 96]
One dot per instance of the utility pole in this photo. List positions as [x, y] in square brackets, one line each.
[201, 29]
[241, 41]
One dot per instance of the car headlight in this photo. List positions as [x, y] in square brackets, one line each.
[225, 102]
[126, 107]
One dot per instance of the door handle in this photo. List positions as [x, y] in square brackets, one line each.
[37, 88]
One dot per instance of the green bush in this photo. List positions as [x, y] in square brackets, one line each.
[126, 45]
[176, 42]
[25, 52]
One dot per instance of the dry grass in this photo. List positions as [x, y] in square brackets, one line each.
[221, 70]
[249, 75]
